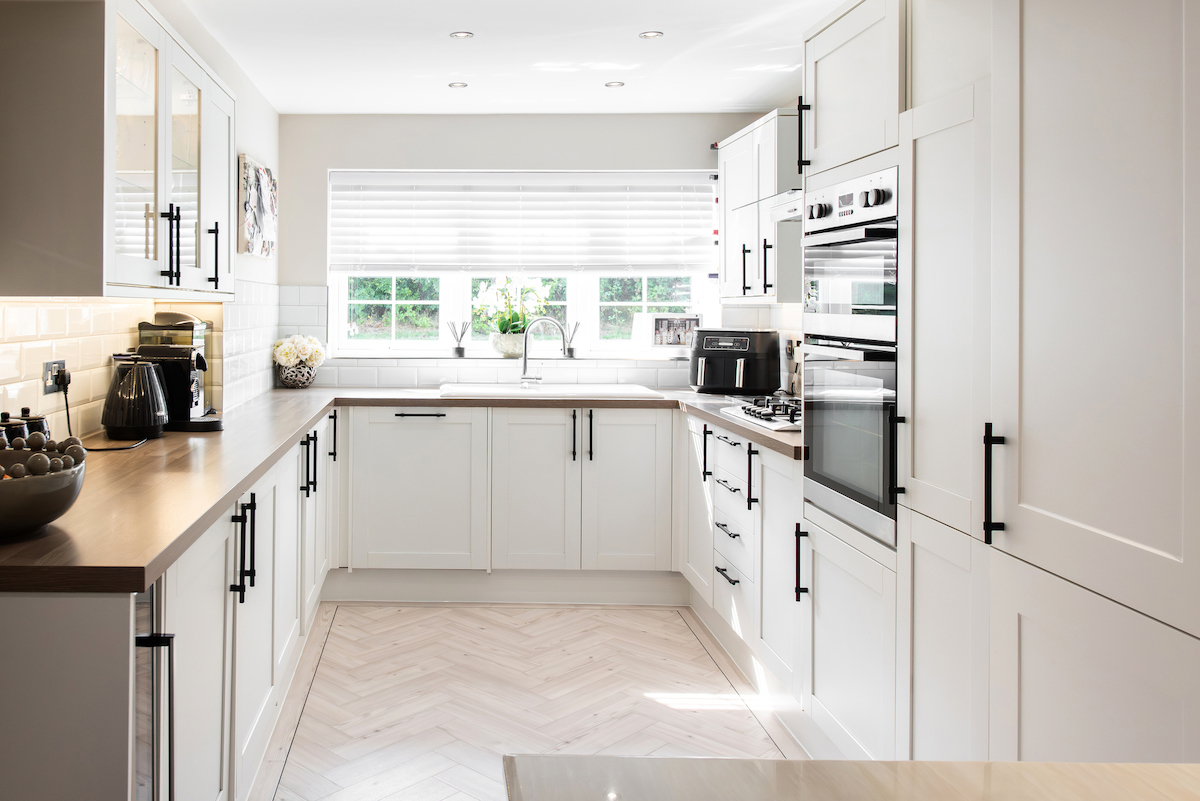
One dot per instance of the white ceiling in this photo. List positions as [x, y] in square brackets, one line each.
[527, 56]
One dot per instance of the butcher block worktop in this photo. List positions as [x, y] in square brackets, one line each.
[141, 509]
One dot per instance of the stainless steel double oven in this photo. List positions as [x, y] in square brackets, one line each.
[850, 422]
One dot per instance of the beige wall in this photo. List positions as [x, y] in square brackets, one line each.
[311, 145]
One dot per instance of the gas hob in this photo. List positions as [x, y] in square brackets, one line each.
[773, 412]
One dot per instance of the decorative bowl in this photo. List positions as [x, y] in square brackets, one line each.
[510, 346]
[300, 376]
[31, 503]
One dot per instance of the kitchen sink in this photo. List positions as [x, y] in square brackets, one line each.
[547, 391]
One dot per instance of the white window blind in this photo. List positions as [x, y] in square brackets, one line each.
[537, 221]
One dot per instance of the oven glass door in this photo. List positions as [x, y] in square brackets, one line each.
[850, 283]
[850, 431]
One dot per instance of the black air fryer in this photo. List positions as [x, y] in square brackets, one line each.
[729, 361]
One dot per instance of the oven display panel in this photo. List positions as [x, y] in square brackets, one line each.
[727, 343]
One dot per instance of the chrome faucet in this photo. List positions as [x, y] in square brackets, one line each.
[525, 376]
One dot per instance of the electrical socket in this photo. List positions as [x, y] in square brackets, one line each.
[49, 370]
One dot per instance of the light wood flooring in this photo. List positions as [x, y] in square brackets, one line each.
[418, 703]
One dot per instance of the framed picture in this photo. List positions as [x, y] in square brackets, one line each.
[258, 224]
[674, 330]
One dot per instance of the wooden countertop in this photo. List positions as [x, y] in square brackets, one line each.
[588, 778]
[140, 510]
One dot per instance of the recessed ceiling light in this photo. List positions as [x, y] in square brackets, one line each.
[458, 85]
[650, 34]
[465, 35]
[615, 83]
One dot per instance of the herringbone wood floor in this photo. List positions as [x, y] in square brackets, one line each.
[419, 703]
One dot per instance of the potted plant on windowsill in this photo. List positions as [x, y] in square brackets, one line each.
[508, 305]
[297, 358]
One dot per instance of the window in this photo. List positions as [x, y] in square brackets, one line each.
[409, 253]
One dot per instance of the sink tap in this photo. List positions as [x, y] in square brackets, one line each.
[525, 376]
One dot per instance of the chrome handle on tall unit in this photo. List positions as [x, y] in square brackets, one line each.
[988, 524]
[216, 276]
[165, 641]
[740, 376]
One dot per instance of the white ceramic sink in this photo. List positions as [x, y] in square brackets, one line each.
[547, 391]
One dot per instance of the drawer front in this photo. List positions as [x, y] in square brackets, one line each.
[729, 452]
[729, 496]
[736, 603]
[735, 542]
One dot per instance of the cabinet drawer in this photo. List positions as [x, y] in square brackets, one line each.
[417, 414]
[729, 496]
[729, 452]
[734, 598]
[735, 542]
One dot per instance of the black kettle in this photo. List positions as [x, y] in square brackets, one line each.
[136, 406]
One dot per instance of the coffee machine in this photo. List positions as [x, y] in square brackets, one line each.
[178, 342]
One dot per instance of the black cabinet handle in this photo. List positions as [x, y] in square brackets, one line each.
[725, 574]
[728, 486]
[240, 587]
[766, 246]
[801, 162]
[799, 590]
[306, 482]
[725, 528]
[165, 641]
[333, 417]
[988, 524]
[704, 471]
[178, 245]
[729, 441]
[216, 276]
[591, 436]
[169, 215]
[745, 253]
[420, 414]
[313, 451]
[894, 491]
[750, 454]
[574, 416]
[252, 508]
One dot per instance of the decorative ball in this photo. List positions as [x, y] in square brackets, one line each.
[56, 465]
[18, 444]
[17, 471]
[68, 442]
[36, 441]
[77, 453]
[67, 462]
[3, 442]
[51, 445]
[38, 464]
[1, 471]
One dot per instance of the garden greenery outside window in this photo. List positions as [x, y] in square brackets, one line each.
[410, 252]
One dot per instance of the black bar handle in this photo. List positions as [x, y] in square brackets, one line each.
[240, 587]
[165, 641]
[420, 414]
[313, 450]
[178, 245]
[745, 253]
[591, 437]
[729, 441]
[766, 246]
[169, 215]
[728, 486]
[725, 528]
[252, 508]
[306, 482]
[988, 524]
[750, 454]
[894, 491]
[801, 162]
[799, 590]
[333, 417]
[704, 471]
[725, 574]
[574, 415]
[216, 276]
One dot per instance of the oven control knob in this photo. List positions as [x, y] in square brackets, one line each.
[864, 199]
[820, 210]
[811, 212]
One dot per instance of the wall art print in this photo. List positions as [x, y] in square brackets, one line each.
[257, 197]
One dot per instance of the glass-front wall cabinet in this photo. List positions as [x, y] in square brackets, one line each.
[185, 169]
[136, 183]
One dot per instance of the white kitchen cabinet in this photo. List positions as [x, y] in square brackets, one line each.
[942, 327]
[697, 557]
[287, 539]
[537, 485]
[738, 171]
[943, 579]
[123, 112]
[1076, 677]
[1094, 342]
[198, 610]
[781, 500]
[854, 81]
[950, 47]
[419, 487]
[626, 489]
[735, 598]
[740, 268]
[853, 682]
[320, 478]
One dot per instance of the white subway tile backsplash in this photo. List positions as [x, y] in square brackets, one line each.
[672, 379]
[33, 355]
[297, 315]
[358, 377]
[648, 378]
[79, 321]
[289, 296]
[313, 295]
[397, 376]
[436, 376]
[597, 375]
[20, 323]
[52, 321]
[10, 362]
[477, 375]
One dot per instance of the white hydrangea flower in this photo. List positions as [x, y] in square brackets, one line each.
[286, 355]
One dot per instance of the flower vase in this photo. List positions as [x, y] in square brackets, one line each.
[510, 346]
[298, 377]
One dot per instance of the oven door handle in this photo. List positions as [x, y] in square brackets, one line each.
[849, 236]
